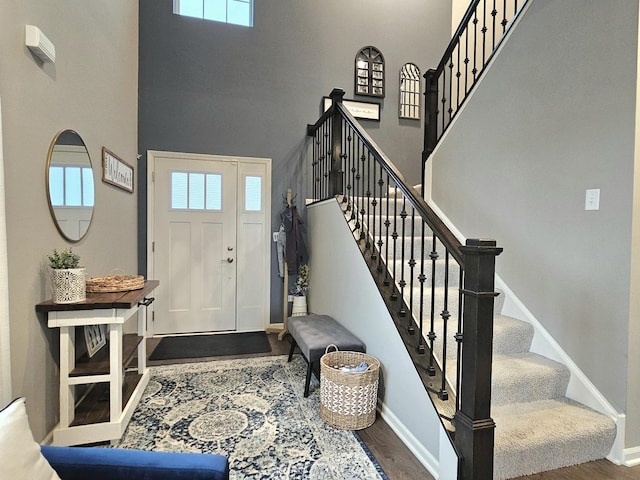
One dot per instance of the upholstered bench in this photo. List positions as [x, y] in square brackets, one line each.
[313, 334]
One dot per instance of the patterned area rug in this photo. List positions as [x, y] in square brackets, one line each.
[252, 411]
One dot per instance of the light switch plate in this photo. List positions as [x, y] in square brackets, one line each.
[592, 199]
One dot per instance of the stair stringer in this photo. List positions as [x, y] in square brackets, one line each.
[580, 388]
[338, 269]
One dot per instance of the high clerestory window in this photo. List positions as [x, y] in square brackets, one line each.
[237, 12]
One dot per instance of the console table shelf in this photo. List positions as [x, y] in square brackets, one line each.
[94, 408]
[105, 411]
[99, 363]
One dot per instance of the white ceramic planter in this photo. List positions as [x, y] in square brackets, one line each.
[69, 285]
[299, 307]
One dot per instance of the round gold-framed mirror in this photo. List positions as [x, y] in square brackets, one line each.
[70, 185]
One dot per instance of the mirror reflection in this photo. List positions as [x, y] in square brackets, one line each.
[70, 188]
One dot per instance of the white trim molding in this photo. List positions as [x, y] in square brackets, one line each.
[5, 340]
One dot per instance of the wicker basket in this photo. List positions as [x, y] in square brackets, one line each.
[348, 400]
[115, 283]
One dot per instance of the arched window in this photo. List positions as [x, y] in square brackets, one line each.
[369, 72]
[410, 91]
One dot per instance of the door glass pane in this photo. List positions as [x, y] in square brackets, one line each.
[179, 189]
[253, 194]
[73, 187]
[196, 191]
[214, 192]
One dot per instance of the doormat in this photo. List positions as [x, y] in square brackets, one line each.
[198, 346]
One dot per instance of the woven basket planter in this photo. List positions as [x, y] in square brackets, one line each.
[348, 400]
[68, 285]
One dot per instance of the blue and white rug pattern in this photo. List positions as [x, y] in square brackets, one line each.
[252, 411]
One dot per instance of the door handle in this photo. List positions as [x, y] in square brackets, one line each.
[229, 260]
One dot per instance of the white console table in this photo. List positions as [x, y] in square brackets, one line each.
[104, 411]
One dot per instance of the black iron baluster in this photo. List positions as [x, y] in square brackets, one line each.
[484, 33]
[412, 264]
[444, 98]
[362, 193]
[458, 78]
[420, 348]
[367, 245]
[349, 159]
[314, 165]
[432, 333]
[327, 158]
[443, 394]
[372, 222]
[353, 179]
[402, 283]
[394, 236]
[504, 17]
[450, 109]
[343, 156]
[466, 61]
[358, 189]
[475, 44]
[494, 13]
[458, 337]
[387, 224]
[380, 241]
[431, 370]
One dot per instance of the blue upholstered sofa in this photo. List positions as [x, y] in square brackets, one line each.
[82, 463]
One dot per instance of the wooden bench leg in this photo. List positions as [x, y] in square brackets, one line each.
[293, 347]
[308, 379]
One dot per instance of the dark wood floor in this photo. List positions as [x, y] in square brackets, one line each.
[397, 460]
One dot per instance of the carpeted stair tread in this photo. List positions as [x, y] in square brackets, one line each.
[511, 335]
[548, 434]
[527, 377]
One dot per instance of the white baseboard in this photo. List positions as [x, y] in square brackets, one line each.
[631, 457]
[421, 453]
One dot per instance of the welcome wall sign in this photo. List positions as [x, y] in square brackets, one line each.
[116, 171]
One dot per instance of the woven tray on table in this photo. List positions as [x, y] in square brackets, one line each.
[348, 400]
[115, 283]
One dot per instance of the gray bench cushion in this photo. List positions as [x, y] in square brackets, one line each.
[313, 333]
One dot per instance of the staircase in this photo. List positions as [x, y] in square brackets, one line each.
[537, 427]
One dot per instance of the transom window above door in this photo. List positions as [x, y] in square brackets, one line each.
[236, 12]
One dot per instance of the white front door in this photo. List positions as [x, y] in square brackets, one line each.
[208, 228]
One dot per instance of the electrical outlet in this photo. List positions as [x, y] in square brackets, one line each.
[275, 236]
[592, 199]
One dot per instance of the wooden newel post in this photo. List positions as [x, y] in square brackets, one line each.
[430, 113]
[473, 423]
[336, 174]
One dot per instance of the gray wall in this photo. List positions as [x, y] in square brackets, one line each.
[553, 117]
[92, 88]
[342, 286]
[213, 88]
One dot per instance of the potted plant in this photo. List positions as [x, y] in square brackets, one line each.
[67, 277]
[299, 307]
